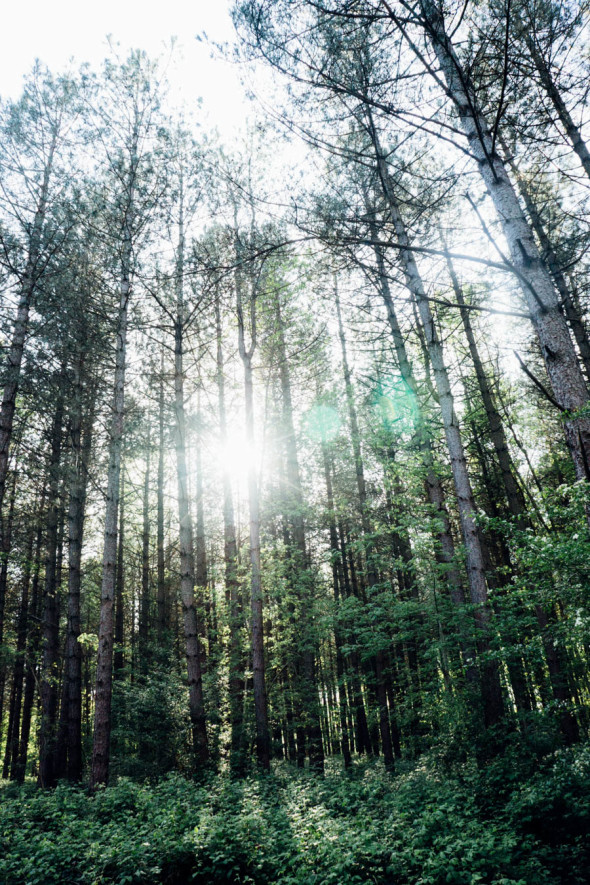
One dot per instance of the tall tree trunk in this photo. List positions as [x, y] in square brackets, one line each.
[561, 363]
[187, 562]
[119, 654]
[161, 592]
[104, 667]
[16, 693]
[336, 581]
[49, 668]
[201, 570]
[5, 541]
[371, 572]
[491, 689]
[144, 604]
[300, 570]
[29, 283]
[433, 485]
[514, 495]
[232, 584]
[70, 735]
[258, 674]
[32, 650]
[551, 260]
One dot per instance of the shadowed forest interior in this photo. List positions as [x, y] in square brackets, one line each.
[295, 457]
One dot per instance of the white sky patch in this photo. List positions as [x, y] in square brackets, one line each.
[58, 31]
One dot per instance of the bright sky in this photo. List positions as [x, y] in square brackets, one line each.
[57, 30]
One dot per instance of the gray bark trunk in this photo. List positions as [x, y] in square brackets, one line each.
[187, 558]
[491, 689]
[232, 583]
[49, 668]
[258, 665]
[561, 363]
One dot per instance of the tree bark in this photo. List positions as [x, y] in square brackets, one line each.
[70, 735]
[232, 583]
[491, 689]
[300, 562]
[104, 668]
[161, 591]
[550, 258]
[371, 572]
[258, 666]
[49, 667]
[19, 333]
[144, 604]
[187, 560]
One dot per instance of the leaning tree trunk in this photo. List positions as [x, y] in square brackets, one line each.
[433, 485]
[517, 505]
[548, 83]
[514, 494]
[550, 258]
[567, 381]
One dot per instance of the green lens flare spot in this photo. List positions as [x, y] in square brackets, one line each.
[322, 424]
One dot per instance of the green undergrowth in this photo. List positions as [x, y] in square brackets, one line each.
[514, 823]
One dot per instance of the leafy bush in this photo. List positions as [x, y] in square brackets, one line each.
[421, 827]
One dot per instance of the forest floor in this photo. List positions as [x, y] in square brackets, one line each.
[515, 821]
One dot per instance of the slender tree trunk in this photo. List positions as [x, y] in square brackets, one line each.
[514, 495]
[301, 571]
[187, 561]
[144, 604]
[70, 736]
[572, 131]
[256, 601]
[119, 654]
[19, 333]
[371, 573]
[201, 570]
[161, 592]
[491, 689]
[12, 740]
[104, 668]
[49, 670]
[258, 674]
[433, 485]
[236, 653]
[336, 580]
[5, 541]
[32, 651]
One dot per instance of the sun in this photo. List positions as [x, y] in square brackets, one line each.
[237, 457]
